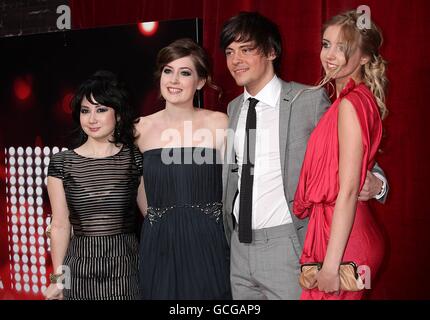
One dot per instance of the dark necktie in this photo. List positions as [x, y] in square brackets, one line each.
[247, 175]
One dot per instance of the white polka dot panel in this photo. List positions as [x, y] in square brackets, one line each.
[28, 215]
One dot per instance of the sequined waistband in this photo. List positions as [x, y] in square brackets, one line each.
[213, 209]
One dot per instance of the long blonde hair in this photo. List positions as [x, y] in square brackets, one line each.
[369, 42]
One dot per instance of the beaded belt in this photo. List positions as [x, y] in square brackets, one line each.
[213, 209]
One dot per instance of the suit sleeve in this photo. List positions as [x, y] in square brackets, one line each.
[229, 109]
[322, 103]
[378, 170]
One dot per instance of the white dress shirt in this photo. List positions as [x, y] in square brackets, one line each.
[270, 207]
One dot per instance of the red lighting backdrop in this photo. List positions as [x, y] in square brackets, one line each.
[405, 157]
[38, 81]
[406, 154]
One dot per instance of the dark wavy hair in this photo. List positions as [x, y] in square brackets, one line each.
[104, 88]
[252, 26]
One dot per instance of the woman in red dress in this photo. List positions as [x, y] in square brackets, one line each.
[340, 150]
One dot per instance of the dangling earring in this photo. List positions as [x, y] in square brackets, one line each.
[364, 61]
[116, 132]
[83, 134]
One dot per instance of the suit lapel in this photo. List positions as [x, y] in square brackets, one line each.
[284, 118]
[232, 125]
[230, 155]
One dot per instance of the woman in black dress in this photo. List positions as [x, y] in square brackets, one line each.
[183, 251]
[93, 190]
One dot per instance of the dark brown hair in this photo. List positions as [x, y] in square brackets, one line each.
[186, 48]
[252, 26]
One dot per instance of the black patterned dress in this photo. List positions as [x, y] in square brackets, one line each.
[101, 197]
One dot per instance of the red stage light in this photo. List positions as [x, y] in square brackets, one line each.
[65, 103]
[27, 219]
[148, 28]
[22, 87]
[3, 172]
[38, 142]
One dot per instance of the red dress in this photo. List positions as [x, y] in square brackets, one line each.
[319, 186]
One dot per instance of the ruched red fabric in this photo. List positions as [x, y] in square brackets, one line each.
[318, 188]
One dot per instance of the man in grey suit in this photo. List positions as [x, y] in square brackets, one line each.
[270, 128]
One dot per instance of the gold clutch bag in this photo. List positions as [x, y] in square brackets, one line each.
[349, 278]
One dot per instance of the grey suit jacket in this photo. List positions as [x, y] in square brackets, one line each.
[297, 119]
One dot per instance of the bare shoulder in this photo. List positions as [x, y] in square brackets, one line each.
[215, 119]
[346, 102]
[147, 122]
[146, 131]
[348, 117]
[142, 123]
[346, 108]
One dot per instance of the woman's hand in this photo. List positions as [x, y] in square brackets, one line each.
[328, 280]
[53, 292]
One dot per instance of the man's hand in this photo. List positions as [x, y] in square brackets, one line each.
[372, 186]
